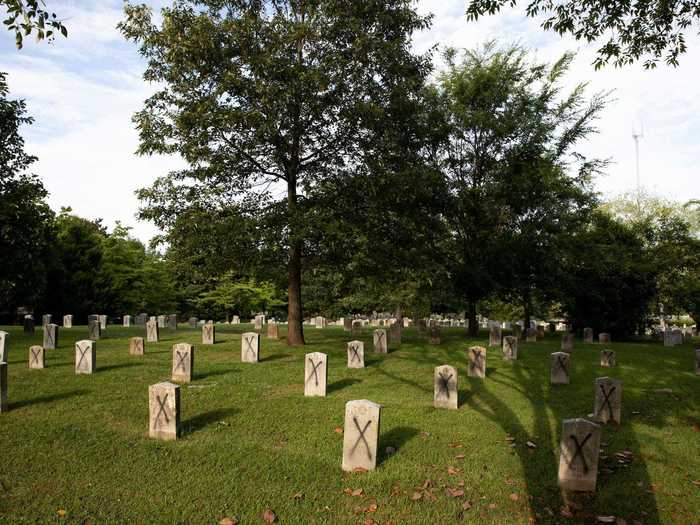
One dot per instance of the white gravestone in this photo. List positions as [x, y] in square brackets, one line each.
[208, 334]
[510, 348]
[183, 362]
[361, 435]
[380, 342]
[578, 459]
[152, 331]
[604, 338]
[560, 368]
[164, 411]
[315, 374]
[608, 400]
[495, 335]
[567, 342]
[476, 362]
[126, 320]
[51, 336]
[445, 387]
[356, 354]
[4, 346]
[67, 321]
[250, 347]
[103, 322]
[137, 346]
[273, 331]
[37, 357]
[607, 358]
[85, 354]
[94, 329]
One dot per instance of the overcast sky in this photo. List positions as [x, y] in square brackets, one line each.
[84, 90]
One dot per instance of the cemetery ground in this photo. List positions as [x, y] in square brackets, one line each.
[75, 448]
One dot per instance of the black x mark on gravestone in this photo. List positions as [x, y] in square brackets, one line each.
[476, 363]
[35, 355]
[606, 400]
[355, 356]
[181, 360]
[249, 346]
[444, 384]
[561, 364]
[50, 336]
[161, 410]
[578, 453]
[362, 437]
[314, 370]
[380, 337]
[83, 352]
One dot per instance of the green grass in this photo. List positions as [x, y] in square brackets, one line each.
[251, 440]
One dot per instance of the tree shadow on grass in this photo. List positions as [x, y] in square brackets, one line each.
[275, 357]
[397, 437]
[46, 399]
[343, 383]
[214, 373]
[109, 368]
[201, 421]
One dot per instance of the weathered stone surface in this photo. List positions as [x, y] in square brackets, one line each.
[356, 354]
[540, 331]
[137, 346]
[273, 331]
[162, 321]
[578, 460]
[258, 322]
[560, 368]
[85, 354]
[588, 335]
[209, 334]
[567, 342]
[172, 321]
[152, 331]
[3, 388]
[604, 338]
[395, 332]
[94, 329]
[608, 400]
[435, 334]
[476, 362]
[192, 322]
[320, 322]
[4, 346]
[697, 361]
[183, 362]
[510, 348]
[50, 337]
[164, 411]
[347, 324]
[126, 320]
[141, 319]
[46, 319]
[68, 321]
[250, 347]
[668, 338]
[495, 335]
[315, 374]
[236, 319]
[677, 336]
[445, 390]
[103, 322]
[356, 327]
[380, 342]
[531, 335]
[607, 358]
[361, 435]
[37, 357]
[28, 324]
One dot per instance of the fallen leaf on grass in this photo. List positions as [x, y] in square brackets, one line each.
[370, 521]
[459, 456]
[338, 430]
[359, 469]
[492, 506]
[514, 497]
[357, 492]
[61, 512]
[455, 445]
[455, 493]
[229, 521]
[298, 496]
[424, 434]
[467, 505]
[269, 516]
[416, 496]
[372, 508]
[452, 471]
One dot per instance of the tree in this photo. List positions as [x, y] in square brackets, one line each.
[629, 31]
[27, 16]
[268, 94]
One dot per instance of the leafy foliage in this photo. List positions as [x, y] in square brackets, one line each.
[27, 16]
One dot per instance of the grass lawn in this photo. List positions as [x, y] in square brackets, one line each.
[74, 449]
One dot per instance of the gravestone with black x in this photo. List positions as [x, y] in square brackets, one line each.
[381, 345]
[510, 348]
[356, 354]
[172, 321]
[608, 400]
[126, 321]
[445, 387]
[494, 334]
[51, 336]
[361, 435]
[183, 362]
[697, 361]
[208, 334]
[588, 335]
[94, 329]
[434, 334]
[315, 374]
[67, 321]
[604, 338]
[152, 331]
[137, 346]
[531, 336]
[578, 459]
[46, 320]
[85, 353]
[567, 342]
[103, 322]
[250, 347]
[4, 346]
[476, 362]
[273, 331]
[559, 368]
[356, 327]
[28, 324]
[37, 357]
[164, 411]
[607, 358]
[3, 387]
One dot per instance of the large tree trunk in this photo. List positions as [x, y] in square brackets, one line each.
[295, 319]
[473, 328]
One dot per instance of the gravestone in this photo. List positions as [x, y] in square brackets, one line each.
[356, 354]
[361, 435]
[668, 338]
[539, 331]
[517, 331]
[28, 324]
[578, 459]
[395, 333]
[172, 321]
[677, 336]
[380, 342]
[142, 319]
[183, 362]
[67, 321]
[422, 325]
[3, 388]
[4, 346]
[477, 362]
[608, 400]
[435, 335]
[320, 322]
[94, 329]
[588, 335]
[50, 337]
[85, 354]
[164, 411]
[126, 321]
[258, 322]
[604, 338]
[531, 335]
[316, 374]
[347, 324]
[607, 358]
[208, 334]
[697, 361]
[192, 322]
[445, 390]
[495, 335]
[559, 368]
[567, 342]
[250, 347]
[356, 327]
[273, 331]
[136, 346]
[236, 320]
[162, 321]
[552, 328]
[103, 322]
[45, 320]
[510, 348]
[37, 357]
[152, 331]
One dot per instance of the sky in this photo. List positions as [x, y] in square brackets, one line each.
[83, 90]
